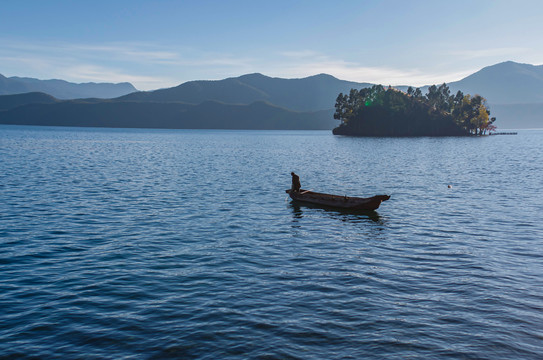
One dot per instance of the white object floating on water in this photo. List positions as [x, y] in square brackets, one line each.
[449, 186]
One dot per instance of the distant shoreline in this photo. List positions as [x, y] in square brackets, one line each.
[513, 132]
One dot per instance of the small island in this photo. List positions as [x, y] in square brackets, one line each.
[375, 111]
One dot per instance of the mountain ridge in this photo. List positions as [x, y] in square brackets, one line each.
[504, 83]
[62, 89]
[11, 101]
[312, 93]
[171, 115]
[515, 103]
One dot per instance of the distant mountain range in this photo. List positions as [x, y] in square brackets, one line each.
[63, 89]
[170, 115]
[251, 101]
[514, 92]
[312, 93]
[12, 101]
[255, 101]
[505, 83]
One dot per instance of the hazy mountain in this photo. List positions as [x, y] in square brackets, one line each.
[505, 83]
[514, 92]
[11, 101]
[313, 93]
[173, 115]
[63, 89]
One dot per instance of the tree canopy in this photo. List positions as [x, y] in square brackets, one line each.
[375, 111]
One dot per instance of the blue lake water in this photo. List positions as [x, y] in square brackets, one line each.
[131, 244]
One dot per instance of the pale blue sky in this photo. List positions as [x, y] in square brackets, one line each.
[163, 43]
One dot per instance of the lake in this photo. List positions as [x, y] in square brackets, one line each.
[181, 244]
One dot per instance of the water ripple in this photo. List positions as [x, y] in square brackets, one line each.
[180, 244]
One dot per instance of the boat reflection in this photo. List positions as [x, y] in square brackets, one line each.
[340, 214]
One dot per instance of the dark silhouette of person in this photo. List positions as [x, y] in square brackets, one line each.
[295, 182]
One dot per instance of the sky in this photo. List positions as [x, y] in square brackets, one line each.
[163, 43]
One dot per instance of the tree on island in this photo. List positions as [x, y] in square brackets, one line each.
[378, 112]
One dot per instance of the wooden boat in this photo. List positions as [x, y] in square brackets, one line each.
[338, 201]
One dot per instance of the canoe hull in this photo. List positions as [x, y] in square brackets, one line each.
[337, 201]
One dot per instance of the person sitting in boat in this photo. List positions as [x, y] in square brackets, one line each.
[295, 182]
